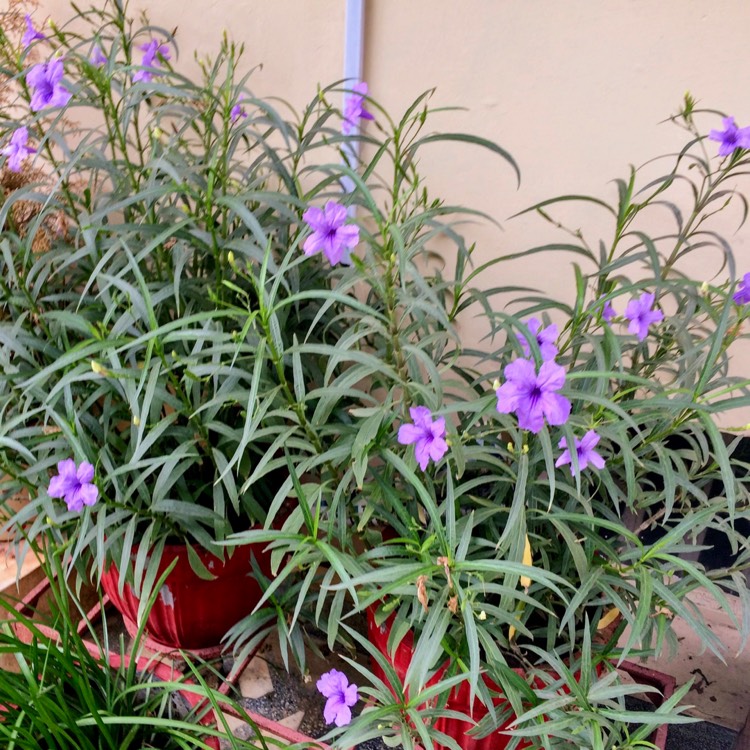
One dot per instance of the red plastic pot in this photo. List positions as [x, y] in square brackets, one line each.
[191, 612]
[459, 699]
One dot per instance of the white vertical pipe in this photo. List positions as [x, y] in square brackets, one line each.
[354, 38]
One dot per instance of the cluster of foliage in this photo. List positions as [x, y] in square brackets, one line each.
[224, 326]
[70, 684]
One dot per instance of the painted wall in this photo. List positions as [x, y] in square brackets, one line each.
[575, 90]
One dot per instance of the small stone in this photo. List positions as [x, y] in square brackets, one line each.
[293, 721]
[235, 724]
[255, 681]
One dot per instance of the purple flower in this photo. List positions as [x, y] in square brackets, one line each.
[98, 58]
[604, 308]
[330, 234]
[545, 339]
[354, 108]
[427, 435]
[341, 697]
[641, 315]
[44, 79]
[608, 312]
[150, 60]
[533, 397]
[17, 150]
[731, 138]
[31, 34]
[584, 450]
[742, 295]
[74, 484]
[237, 111]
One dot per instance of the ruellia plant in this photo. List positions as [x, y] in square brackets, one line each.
[132, 346]
[169, 352]
[242, 326]
[521, 507]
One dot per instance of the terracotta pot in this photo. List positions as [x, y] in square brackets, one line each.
[191, 612]
[459, 699]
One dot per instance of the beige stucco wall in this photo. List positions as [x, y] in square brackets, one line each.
[575, 89]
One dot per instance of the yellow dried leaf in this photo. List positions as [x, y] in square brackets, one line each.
[98, 369]
[608, 618]
[527, 560]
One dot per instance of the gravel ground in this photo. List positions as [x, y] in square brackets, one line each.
[293, 692]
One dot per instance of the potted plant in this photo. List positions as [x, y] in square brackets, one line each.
[492, 520]
[170, 351]
[145, 342]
